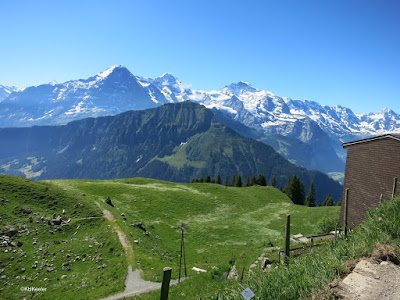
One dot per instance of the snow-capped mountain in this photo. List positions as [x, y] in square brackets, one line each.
[172, 89]
[324, 128]
[270, 113]
[117, 90]
[5, 91]
[110, 92]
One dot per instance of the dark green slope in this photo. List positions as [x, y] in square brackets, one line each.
[220, 150]
[175, 142]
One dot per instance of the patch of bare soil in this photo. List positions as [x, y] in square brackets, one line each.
[375, 277]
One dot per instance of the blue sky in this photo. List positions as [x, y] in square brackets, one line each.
[333, 52]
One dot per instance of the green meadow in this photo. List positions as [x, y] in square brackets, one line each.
[224, 226]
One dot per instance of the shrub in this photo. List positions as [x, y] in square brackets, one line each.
[326, 225]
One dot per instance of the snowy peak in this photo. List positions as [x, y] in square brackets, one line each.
[114, 71]
[172, 89]
[167, 79]
[240, 88]
[386, 112]
[5, 91]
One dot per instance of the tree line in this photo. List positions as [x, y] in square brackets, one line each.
[236, 180]
[294, 189]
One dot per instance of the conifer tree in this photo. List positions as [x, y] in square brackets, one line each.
[247, 182]
[218, 179]
[253, 180]
[273, 181]
[295, 190]
[328, 201]
[207, 178]
[261, 180]
[238, 181]
[310, 201]
[227, 183]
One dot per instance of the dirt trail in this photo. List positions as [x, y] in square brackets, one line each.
[121, 235]
[134, 284]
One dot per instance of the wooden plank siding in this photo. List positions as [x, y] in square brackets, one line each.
[371, 166]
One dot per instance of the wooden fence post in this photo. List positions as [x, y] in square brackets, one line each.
[287, 239]
[381, 199]
[336, 227]
[346, 211]
[182, 255]
[165, 283]
[241, 277]
[394, 187]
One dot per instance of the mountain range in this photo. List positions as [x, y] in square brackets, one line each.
[174, 142]
[5, 91]
[287, 125]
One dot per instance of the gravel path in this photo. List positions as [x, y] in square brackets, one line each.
[134, 285]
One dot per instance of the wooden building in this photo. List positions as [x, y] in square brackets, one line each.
[372, 169]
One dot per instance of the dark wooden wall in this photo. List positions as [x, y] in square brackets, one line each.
[370, 171]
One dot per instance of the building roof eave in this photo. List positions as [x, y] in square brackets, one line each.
[380, 137]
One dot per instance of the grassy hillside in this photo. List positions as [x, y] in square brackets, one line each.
[82, 245]
[378, 236]
[222, 224]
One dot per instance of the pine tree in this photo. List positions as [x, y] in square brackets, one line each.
[310, 201]
[273, 181]
[238, 181]
[339, 202]
[247, 182]
[295, 190]
[328, 201]
[218, 179]
[253, 180]
[261, 180]
[227, 183]
[207, 178]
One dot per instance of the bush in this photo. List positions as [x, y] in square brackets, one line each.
[326, 225]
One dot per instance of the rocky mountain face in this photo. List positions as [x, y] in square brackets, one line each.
[174, 142]
[320, 127]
